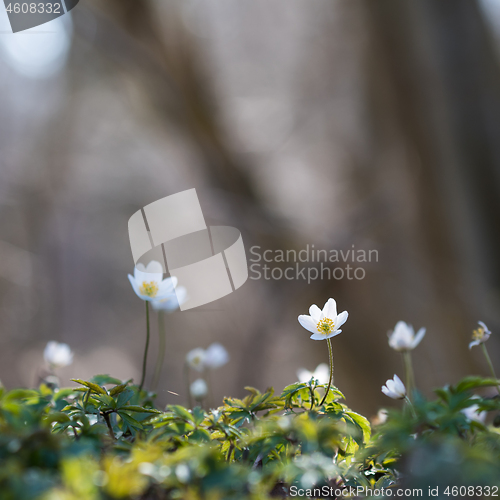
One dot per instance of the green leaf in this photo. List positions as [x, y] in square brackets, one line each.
[63, 393]
[107, 400]
[181, 412]
[293, 388]
[200, 435]
[198, 415]
[20, 394]
[56, 416]
[473, 382]
[130, 421]
[117, 390]
[140, 409]
[124, 397]
[105, 379]
[361, 422]
[91, 385]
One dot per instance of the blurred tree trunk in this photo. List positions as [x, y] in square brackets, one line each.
[433, 93]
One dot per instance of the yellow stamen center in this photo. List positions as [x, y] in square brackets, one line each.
[478, 334]
[325, 326]
[149, 289]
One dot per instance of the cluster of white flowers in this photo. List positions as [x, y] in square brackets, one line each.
[214, 356]
[149, 285]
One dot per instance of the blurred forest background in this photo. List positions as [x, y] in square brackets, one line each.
[333, 123]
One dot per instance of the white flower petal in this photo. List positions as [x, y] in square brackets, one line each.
[58, 355]
[333, 334]
[166, 287]
[304, 375]
[322, 373]
[315, 312]
[399, 386]
[154, 267]
[473, 343]
[308, 323]
[391, 385]
[389, 393]
[418, 337]
[216, 356]
[341, 319]
[153, 272]
[402, 338]
[198, 389]
[318, 336]
[330, 309]
[196, 359]
[133, 282]
[181, 293]
[483, 326]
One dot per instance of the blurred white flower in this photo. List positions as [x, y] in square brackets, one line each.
[480, 335]
[148, 282]
[472, 414]
[172, 301]
[198, 389]
[57, 355]
[322, 374]
[394, 388]
[323, 324]
[380, 418]
[403, 338]
[196, 359]
[215, 356]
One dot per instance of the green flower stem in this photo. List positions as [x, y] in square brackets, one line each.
[490, 364]
[410, 376]
[161, 348]
[144, 361]
[330, 352]
[412, 409]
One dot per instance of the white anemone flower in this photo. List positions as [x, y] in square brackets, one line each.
[198, 389]
[394, 388]
[172, 301]
[215, 356]
[480, 335]
[472, 414]
[148, 282]
[323, 324]
[57, 355]
[321, 374]
[403, 337]
[196, 359]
